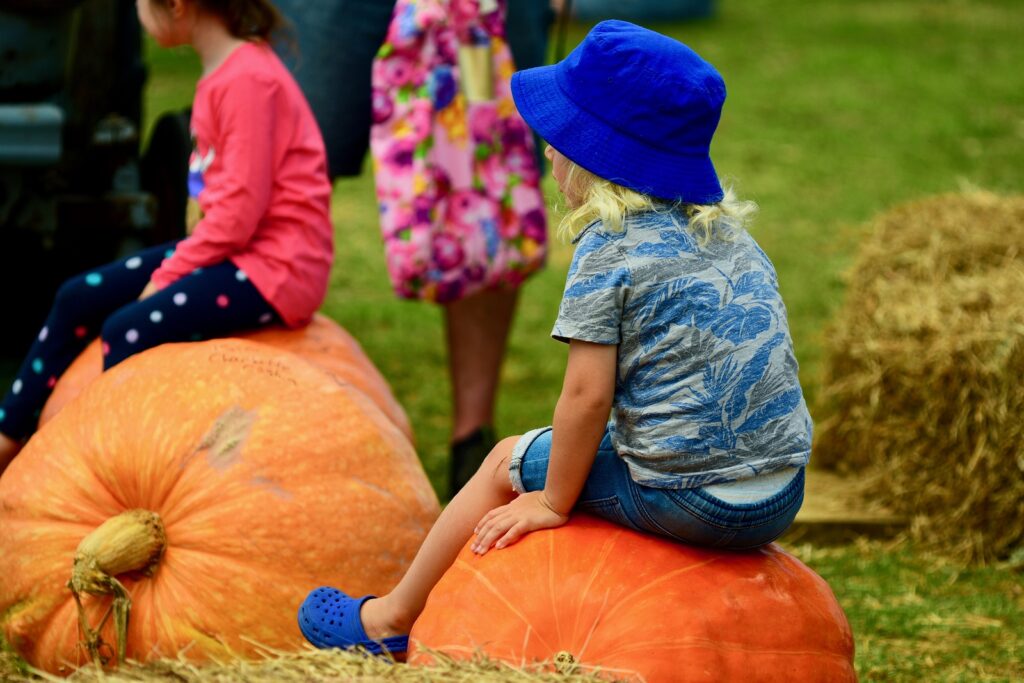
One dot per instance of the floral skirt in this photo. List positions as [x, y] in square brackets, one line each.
[455, 167]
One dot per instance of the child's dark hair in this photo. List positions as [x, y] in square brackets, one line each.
[244, 18]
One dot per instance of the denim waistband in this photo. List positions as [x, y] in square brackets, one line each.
[745, 513]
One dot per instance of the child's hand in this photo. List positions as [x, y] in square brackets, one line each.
[148, 291]
[505, 525]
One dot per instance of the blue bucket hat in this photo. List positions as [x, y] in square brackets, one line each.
[631, 106]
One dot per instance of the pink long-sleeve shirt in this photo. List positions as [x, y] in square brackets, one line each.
[258, 171]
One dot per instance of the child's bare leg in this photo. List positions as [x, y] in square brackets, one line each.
[8, 449]
[394, 613]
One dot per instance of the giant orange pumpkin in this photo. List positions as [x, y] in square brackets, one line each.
[214, 483]
[639, 607]
[322, 342]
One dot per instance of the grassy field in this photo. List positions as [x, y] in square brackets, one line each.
[836, 111]
[917, 617]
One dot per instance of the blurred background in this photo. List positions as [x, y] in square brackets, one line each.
[838, 110]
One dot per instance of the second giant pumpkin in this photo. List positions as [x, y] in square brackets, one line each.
[258, 477]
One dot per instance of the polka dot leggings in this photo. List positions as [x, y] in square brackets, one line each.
[210, 302]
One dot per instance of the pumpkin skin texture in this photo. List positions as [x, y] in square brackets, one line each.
[269, 476]
[639, 607]
[323, 342]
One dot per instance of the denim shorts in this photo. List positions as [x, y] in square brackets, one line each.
[688, 515]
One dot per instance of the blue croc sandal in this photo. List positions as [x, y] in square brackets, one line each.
[330, 618]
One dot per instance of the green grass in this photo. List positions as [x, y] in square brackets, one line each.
[918, 617]
[836, 111]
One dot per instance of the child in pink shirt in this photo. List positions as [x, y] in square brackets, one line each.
[262, 247]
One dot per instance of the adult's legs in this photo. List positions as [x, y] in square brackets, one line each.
[79, 310]
[477, 329]
[394, 613]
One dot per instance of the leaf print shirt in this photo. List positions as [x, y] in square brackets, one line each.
[706, 388]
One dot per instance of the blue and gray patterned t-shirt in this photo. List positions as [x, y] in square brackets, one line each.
[707, 388]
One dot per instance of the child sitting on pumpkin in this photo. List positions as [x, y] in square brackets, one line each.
[260, 253]
[675, 326]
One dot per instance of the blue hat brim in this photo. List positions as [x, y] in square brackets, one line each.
[607, 152]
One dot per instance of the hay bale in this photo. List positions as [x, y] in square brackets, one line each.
[319, 666]
[923, 389]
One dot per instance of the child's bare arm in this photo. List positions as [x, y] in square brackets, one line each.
[580, 420]
[579, 425]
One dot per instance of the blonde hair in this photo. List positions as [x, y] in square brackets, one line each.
[611, 203]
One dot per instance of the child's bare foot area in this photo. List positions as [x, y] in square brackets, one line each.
[380, 621]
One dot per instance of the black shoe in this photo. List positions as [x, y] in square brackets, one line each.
[467, 456]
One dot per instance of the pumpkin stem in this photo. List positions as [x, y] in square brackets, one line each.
[132, 541]
[565, 663]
